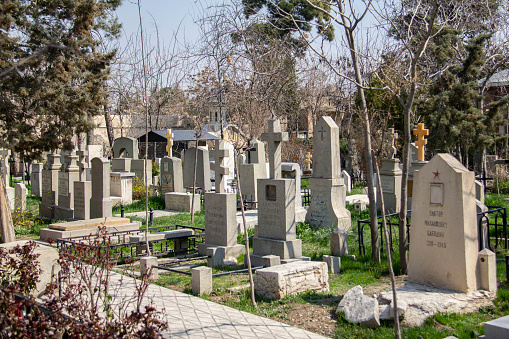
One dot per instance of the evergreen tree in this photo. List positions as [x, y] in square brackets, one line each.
[52, 72]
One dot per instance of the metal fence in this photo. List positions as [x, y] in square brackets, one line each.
[120, 248]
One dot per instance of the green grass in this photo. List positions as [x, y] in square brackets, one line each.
[138, 206]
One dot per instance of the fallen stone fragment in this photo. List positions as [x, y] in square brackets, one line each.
[359, 308]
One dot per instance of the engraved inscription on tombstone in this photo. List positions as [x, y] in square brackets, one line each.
[387, 184]
[271, 193]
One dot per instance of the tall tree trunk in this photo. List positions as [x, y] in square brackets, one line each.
[375, 245]
[109, 128]
[403, 241]
[247, 258]
[397, 330]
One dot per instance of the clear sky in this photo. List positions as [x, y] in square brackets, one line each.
[169, 15]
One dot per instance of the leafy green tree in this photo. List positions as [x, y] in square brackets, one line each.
[451, 106]
[52, 70]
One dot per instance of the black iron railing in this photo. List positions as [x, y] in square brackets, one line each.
[493, 233]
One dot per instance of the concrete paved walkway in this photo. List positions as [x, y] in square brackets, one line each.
[193, 317]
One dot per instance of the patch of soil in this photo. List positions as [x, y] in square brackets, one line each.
[377, 288]
[318, 319]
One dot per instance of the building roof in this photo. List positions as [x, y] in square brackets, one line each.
[181, 135]
[499, 79]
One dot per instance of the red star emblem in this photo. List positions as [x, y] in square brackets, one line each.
[437, 175]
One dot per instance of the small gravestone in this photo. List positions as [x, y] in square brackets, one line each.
[444, 237]
[36, 179]
[276, 207]
[254, 169]
[171, 175]
[139, 167]
[121, 165]
[390, 176]
[220, 211]
[347, 180]
[202, 168]
[50, 186]
[5, 171]
[328, 192]
[20, 203]
[125, 147]
[121, 187]
[69, 173]
[100, 201]
[290, 170]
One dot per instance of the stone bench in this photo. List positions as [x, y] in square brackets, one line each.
[276, 282]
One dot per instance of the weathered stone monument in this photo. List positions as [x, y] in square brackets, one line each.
[50, 186]
[121, 188]
[125, 147]
[328, 192]
[290, 170]
[276, 208]
[255, 169]
[36, 179]
[69, 173]
[390, 176]
[171, 175]
[100, 201]
[82, 188]
[347, 180]
[20, 203]
[5, 169]
[139, 167]
[220, 212]
[202, 168]
[444, 248]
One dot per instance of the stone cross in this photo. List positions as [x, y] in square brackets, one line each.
[219, 153]
[420, 131]
[82, 163]
[322, 131]
[274, 138]
[169, 145]
[308, 161]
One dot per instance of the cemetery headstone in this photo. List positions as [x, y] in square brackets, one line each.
[444, 246]
[390, 176]
[121, 188]
[171, 175]
[347, 180]
[307, 163]
[20, 203]
[36, 179]
[125, 147]
[328, 192]
[50, 186]
[276, 208]
[290, 170]
[202, 168]
[100, 201]
[5, 169]
[220, 211]
[256, 168]
[138, 167]
[121, 165]
[69, 173]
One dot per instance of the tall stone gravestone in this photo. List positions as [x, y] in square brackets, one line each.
[20, 203]
[220, 211]
[171, 175]
[444, 236]
[100, 202]
[347, 180]
[290, 170]
[5, 169]
[252, 171]
[276, 208]
[36, 179]
[50, 186]
[328, 192]
[390, 176]
[82, 188]
[202, 168]
[69, 173]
